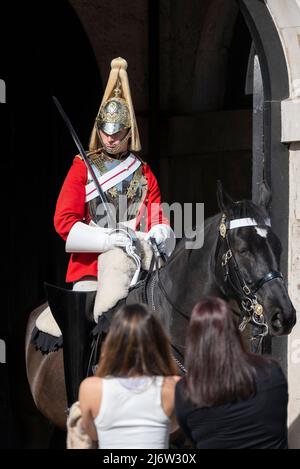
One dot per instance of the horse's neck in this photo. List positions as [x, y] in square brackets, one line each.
[190, 275]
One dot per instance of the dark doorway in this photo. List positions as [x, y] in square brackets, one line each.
[45, 53]
[206, 131]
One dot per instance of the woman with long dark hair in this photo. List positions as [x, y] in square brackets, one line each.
[130, 401]
[229, 398]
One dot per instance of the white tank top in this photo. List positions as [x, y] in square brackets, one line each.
[131, 414]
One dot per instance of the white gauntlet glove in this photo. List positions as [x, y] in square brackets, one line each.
[86, 238]
[164, 237]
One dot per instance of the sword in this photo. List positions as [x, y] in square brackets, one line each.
[110, 218]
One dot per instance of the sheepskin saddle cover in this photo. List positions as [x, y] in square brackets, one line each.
[115, 272]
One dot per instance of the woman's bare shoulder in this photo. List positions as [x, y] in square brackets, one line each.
[168, 394]
[89, 384]
[170, 381]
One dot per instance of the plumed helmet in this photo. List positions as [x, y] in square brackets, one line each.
[116, 110]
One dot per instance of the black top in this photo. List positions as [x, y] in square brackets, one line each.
[258, 422]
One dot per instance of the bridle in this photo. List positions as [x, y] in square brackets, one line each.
[251, 310]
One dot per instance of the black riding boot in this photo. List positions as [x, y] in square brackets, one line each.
[73, 312]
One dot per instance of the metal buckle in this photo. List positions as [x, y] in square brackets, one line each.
[247, 305]
[246, 289]
[226, 257]
[244, 323]
[222, 227]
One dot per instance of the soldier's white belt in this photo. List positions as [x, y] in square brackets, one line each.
[112, 177]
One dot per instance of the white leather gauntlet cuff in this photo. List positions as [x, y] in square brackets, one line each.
[86, 238]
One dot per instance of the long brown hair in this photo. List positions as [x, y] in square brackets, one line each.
[136, 344]
[219, 368]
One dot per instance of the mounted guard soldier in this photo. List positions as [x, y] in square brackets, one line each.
[132, 195]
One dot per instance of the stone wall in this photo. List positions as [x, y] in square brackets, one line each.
[286, 16]
[294, 290]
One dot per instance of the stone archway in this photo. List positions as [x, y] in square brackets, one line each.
[203, 37]
[272, 156]
[275, 27]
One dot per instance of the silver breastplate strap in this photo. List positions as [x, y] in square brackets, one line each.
[124, 185]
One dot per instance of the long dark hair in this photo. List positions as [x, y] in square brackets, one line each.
[219, 368]
[136, 344]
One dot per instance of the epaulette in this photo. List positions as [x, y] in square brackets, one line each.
[93, 153]
[90, 154]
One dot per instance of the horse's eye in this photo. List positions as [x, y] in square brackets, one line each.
[243, 251]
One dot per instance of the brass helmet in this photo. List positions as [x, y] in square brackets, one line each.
[114, 114]
[116, 110]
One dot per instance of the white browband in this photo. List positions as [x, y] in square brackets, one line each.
[242, 222]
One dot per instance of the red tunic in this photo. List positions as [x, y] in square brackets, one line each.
[71, 208]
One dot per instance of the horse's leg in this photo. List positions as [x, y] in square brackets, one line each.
[46, 378]
[30, 428]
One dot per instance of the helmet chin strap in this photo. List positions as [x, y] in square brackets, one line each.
[116, 150]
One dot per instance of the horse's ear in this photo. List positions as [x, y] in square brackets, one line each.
[225, 202]
[265, 196]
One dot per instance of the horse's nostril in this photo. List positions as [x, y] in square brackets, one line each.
[281, 322]
[277, 321]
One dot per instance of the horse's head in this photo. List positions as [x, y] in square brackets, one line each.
[247, 263]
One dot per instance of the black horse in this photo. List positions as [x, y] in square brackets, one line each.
[239, 261]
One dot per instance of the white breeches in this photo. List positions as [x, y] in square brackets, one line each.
[87, 284]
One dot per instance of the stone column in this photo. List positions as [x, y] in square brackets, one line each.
[286, 16]
[294, 290]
